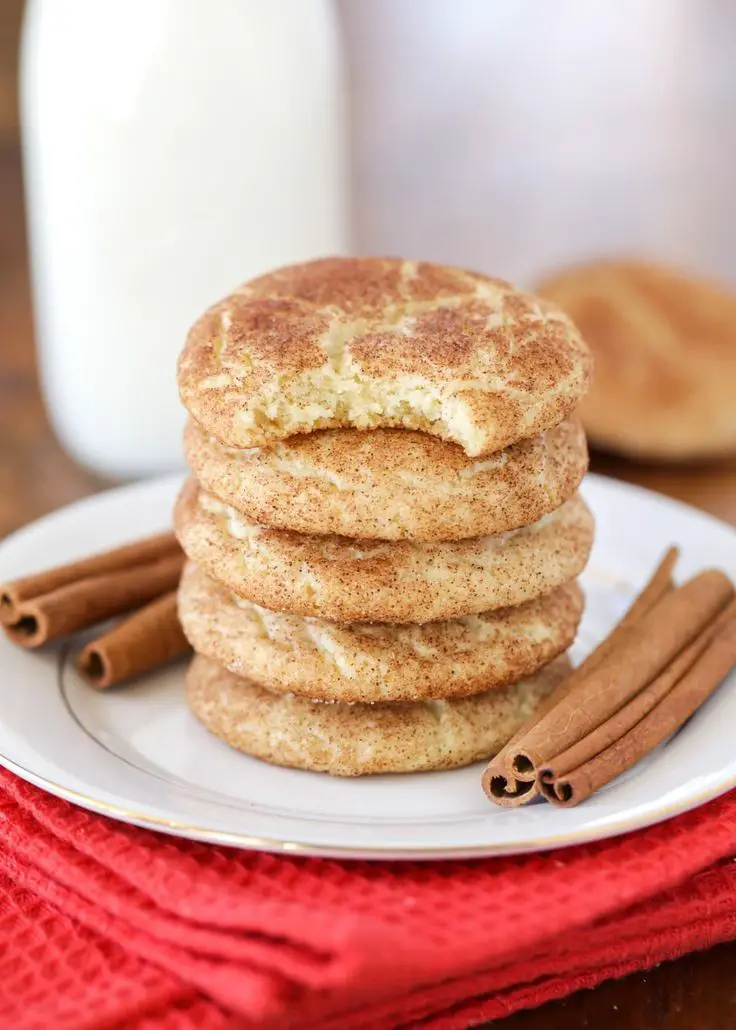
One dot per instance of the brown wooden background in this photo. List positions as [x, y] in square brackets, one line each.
[10, 17]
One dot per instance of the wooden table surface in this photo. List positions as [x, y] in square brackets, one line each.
[695, 993]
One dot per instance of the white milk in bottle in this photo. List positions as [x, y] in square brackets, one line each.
[173, 148]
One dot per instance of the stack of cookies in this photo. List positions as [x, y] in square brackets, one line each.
[382, 524]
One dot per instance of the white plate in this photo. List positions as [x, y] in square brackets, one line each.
[137, 755]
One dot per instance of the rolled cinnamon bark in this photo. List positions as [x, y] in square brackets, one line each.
[613, 729]
[17, 592]
[145, 640]
[499, 781]
[664, 719]
[78, 605]
[657, 638]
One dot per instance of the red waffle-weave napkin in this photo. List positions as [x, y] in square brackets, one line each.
[105, 925]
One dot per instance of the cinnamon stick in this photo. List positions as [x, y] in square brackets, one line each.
[613, 729]
[653, 642]
[145, 640]
[19, 591]
[82, 603]
[499, 781]
[692, 689]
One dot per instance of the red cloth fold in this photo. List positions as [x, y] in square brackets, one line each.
[106, 925]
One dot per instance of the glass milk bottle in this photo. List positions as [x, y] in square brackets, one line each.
[173, 148]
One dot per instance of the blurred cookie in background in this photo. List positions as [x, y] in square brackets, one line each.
[664, 344]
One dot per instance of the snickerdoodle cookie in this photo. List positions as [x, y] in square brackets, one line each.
[334, 577]
[378, 342]
[391, 484]
[665, 358]
[368, 662]
[360, 739]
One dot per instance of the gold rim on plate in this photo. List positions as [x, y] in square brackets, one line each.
[273, 845]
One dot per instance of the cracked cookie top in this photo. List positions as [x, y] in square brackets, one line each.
[377, 342]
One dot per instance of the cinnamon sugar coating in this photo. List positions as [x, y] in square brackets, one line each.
[362, 739]
[369, 662]
[391, 484]
[347, 580]
[380, 342]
